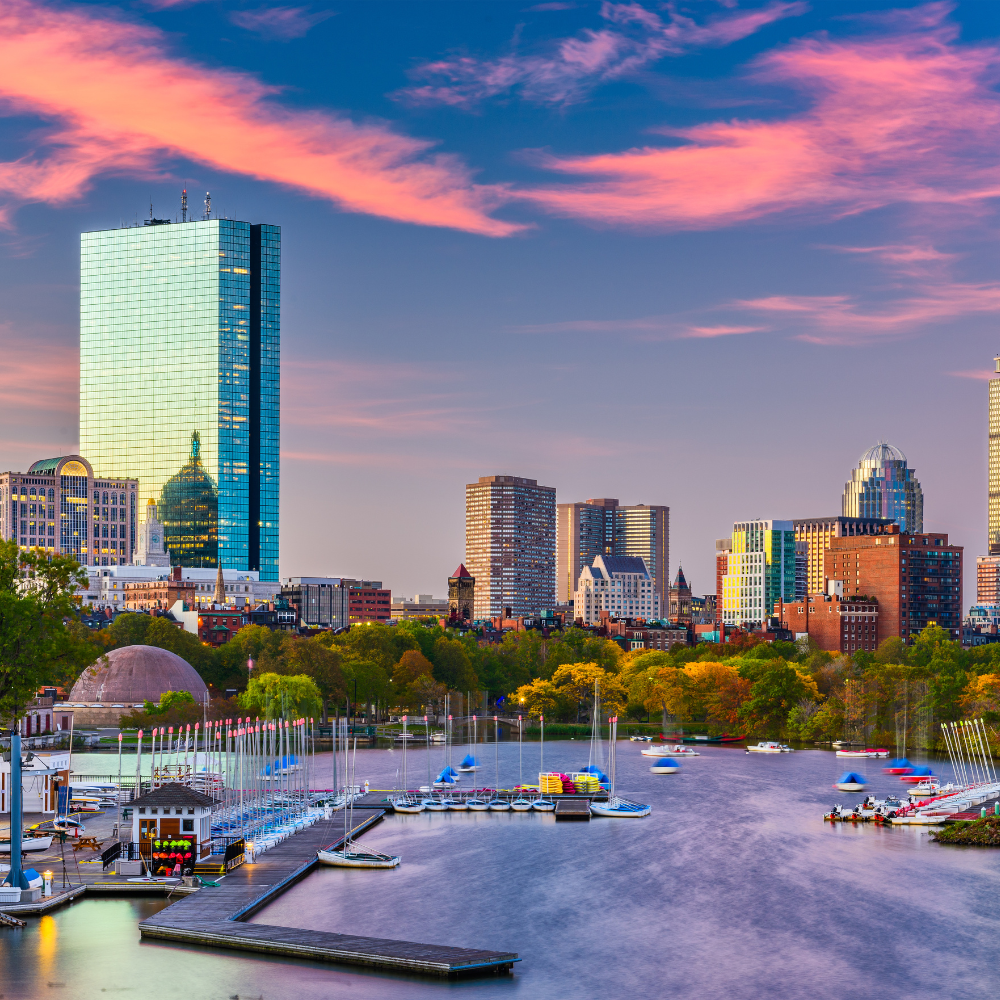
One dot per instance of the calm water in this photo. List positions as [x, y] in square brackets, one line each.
[733, 887]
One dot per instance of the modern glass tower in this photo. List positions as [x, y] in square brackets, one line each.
[882, 486]
[179, 380]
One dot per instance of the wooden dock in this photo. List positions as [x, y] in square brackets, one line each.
[216, 916]
[572, 808]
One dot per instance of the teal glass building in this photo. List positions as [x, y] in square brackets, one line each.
[179, 380]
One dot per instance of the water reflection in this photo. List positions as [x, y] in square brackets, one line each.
[733, 887]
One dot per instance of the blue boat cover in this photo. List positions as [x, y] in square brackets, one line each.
[590, 769]
[923, 772]
[666, 762]
[469, 761]
[899, 762]
[851, 778]
[446, 775]
[282, 764]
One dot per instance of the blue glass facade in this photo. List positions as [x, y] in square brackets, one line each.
[179, 380]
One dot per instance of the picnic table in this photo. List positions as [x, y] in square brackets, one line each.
[87, 842]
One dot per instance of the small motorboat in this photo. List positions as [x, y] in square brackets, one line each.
[765, 746]
[852, 753]
[356, 856]
[28, 844]
[641, 739]
[682, 751]
[926, 788]
[477, 804]
[665, 765]
[438, 738]
[850, 781]
[877, 752]
[543, 805]
[900, 765]
[660, 750]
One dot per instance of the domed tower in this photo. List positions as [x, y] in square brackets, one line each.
[189, 510]
[883, 486]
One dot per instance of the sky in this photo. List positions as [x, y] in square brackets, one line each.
[699, 254]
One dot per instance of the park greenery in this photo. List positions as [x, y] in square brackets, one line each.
[765, 690]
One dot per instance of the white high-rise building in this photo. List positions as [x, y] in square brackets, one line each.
[150, 551]
[619, 585]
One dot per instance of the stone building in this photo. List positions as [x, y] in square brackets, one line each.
[680, 600]
[461, 594]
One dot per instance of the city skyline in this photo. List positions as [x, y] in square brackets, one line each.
[471, 267]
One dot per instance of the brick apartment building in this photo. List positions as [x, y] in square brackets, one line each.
[838, 625]
[916, 579]
[149, 594]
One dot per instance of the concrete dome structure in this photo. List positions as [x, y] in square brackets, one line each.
[134, 674]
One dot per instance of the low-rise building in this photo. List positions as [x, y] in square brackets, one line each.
[615, 587]
[632, 635]
[107, 587]
[336, 601]
[420, 606]
[837, 623]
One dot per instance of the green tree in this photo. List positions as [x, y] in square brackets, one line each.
[777, 687]
[452, 666]
[36, 600]
[277, 696]
[325, 666]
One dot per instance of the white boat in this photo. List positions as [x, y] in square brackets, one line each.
[351, 854]
[357, 857]
[28, 844]
[405, 803]
[432, 804]
[641, 739]
[477, 804]
[455, 805]
[661, 750]
[926, 788]
[615, 807]
[852, 753]
[543, 805]
[665, 765]
[682, 751]
[521, 804]
[766, 746]
[499, 805]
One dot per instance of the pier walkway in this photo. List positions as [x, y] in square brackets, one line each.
[216, 916]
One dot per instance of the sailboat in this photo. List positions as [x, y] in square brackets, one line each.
[351, 853]
[498, 804]
[469, 762]
[405, 803]
[520, 804]
[616, 807]
[542, 804]
[432, 803]
[596, 759]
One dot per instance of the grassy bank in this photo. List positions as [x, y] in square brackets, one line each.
[978, 833]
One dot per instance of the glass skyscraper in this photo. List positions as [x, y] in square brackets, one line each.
[179, 380]
[883, 486]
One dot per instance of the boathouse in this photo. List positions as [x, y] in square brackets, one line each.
[174, 812]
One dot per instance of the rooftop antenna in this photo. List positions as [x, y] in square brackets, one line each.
[184, 205]
[150, 208]
[208, 204]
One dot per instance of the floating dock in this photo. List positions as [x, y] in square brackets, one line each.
[216, 916]
[572, 809]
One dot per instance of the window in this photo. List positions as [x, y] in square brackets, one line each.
[187, 826]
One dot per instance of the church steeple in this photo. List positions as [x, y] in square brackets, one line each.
[220, 588]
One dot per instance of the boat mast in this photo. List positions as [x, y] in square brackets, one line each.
[496, 743]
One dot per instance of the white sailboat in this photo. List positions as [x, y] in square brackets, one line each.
[520, 804]
[542, 804]
[406, 803]
[616, 807]
[498, 804]
[469, 762]
[351, 853]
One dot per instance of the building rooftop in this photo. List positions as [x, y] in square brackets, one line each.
[173, 794]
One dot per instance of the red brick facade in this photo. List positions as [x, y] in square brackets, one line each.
[838, 626]
[366, 604]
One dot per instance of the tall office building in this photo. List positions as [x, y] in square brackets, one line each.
[993, 527]
[179, 380]
[760, 570]
[814, 535]
[883, 486]
[605, 527]
[510, 545]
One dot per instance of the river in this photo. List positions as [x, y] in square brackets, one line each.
[733, 887]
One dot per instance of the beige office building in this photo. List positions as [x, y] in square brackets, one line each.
[510, 545]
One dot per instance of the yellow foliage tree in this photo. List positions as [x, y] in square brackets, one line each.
[576, 681]
[537, 698]
[982, 694]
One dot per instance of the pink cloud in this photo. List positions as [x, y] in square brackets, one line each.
[840, 319]
[279, 22]
[983, 375]
[901, 254]
[636, 37]
[645, 328]
[909, 118]
[94, 75]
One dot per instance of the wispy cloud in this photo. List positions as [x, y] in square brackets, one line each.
[279, 22]
[635, 38]
[981, 374]
[92, 74]
[37, 375]
[843, 319]
[641, 328]
[908, 118]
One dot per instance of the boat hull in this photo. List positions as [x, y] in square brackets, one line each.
[620, 811]
[849, 786]
[664, 769]
[353, 859]
[28, 844]
[477, 805]
[543, 805]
